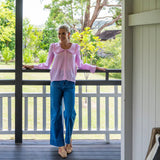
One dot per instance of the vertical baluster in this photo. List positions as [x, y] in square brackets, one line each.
[9, 113]
[89, 113]
[116, 107]
[98, 107]
[26, 114]
[107, 75]
[1, 114]
[44, 107]
[107, 119]
[35, 113]
[80, 108]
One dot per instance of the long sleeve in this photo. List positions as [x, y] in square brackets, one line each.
[48, 63]
[80, 64]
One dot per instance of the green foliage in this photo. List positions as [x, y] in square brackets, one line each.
[113, 55]
[64, 11]
[42, 55]
[89, 45]
[116, 11]
[79, 14]
[7, 23]
[49, 34]
[32, 37]
[7, 54]
[27, 56]
[10, 4]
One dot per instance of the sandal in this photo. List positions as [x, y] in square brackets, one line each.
[62, 152]
[69, 147]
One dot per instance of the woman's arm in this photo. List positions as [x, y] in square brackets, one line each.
[100, 68]
[45, 65]
[86, 66]
[28, 66]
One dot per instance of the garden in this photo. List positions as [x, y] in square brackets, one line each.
[36, 42]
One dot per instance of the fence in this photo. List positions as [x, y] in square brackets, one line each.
[89, 120]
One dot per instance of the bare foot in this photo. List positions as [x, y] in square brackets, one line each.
[62, 152]
[69, 147]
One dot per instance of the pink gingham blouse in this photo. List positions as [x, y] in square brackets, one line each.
[65, 62]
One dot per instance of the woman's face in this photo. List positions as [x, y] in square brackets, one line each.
[63, 35]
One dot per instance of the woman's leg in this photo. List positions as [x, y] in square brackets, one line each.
[56, 130]
[69, 113]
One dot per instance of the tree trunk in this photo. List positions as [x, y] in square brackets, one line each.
[97, 9]
[87, 15]
[107, 24]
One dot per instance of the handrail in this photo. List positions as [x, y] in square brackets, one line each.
[47, 70]
[80, 95]
[78, 82]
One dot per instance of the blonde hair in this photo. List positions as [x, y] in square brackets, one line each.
[64, 27]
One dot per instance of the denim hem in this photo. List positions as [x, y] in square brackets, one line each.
[59, 143]
[67, 141]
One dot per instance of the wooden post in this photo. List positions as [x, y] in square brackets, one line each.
[127, 76]
[18, 74]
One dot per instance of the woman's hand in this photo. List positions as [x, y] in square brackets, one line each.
[100, 69]
[28, 66]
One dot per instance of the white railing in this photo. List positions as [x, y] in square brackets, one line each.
[79, 129]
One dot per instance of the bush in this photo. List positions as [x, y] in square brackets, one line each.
[42, 55]
[7, 54]
[27, 56]
[112, 60]
[89, 43]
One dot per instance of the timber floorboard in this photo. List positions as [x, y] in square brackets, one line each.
[42, 150]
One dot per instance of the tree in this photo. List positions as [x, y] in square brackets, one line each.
[32, 37]
[7, 24]
[49, 34]
[7, 54]
[112, 60]
[83, 13]
[42, 56]
[27, 55]
[89, 44]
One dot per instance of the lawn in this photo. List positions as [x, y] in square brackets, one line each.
[38, 89]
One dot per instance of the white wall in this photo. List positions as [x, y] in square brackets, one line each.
[146, 79]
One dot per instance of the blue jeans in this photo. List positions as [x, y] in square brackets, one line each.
[58, 90]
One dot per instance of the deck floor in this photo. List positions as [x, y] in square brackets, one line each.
[41, 150]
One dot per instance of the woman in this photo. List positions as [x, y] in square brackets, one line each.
[67, 58]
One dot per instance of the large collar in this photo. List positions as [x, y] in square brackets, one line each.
[58, 48]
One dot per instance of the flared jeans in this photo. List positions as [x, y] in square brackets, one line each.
[58, 90]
